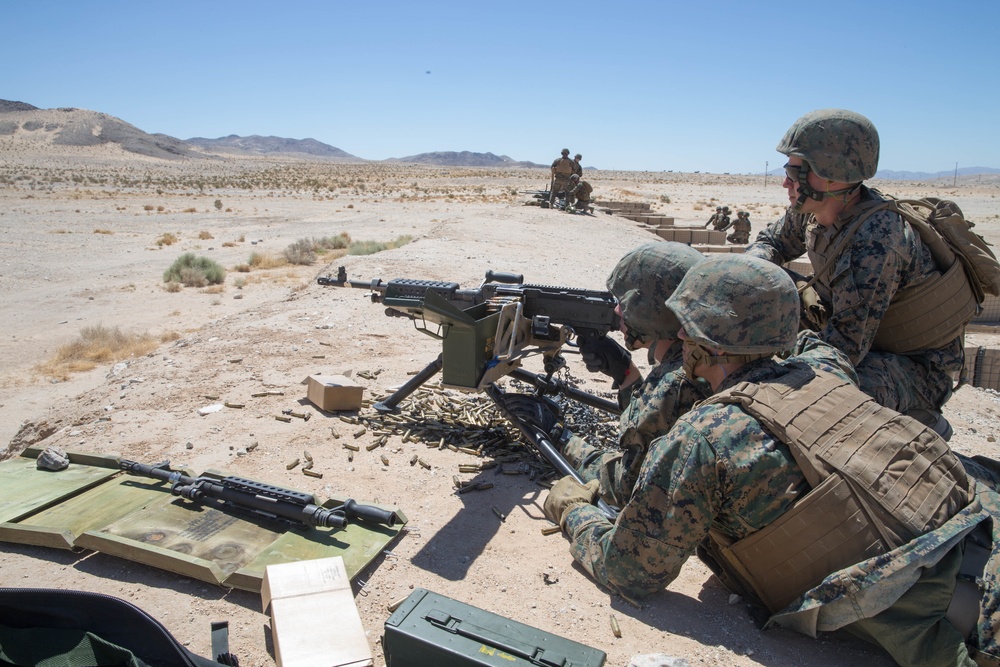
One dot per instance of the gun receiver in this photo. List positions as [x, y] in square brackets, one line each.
[258, 500]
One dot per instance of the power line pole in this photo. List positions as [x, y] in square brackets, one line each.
[765, 174]
[955, 180]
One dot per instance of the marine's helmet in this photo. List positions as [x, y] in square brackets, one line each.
[740, 304]
[565, 152]
[574, 178]
[577, 157]
[718, 209]
[725, 209]
[839, 145]
[642, 280]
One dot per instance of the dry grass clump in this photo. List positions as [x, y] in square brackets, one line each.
[301, 252]
[372, 247]
[97, 345]
[167, 239]
[204, 236]
[103, 231]
[263, 261]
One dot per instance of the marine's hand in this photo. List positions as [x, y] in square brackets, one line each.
[567, 493]
[604, 355]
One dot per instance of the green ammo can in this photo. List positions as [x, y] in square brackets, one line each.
[467, 337]
[430, 630]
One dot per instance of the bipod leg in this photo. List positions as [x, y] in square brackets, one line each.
[389, 404]
[540, 441]
[546, 385]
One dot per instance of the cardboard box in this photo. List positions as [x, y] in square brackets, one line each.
[334, 392]
[314, 620]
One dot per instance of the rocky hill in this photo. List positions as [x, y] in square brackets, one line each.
[463, 159]
[258, 145]
[69, 126]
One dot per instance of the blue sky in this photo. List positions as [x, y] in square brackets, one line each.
[684, 86]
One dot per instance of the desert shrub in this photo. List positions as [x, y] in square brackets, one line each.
[97, 345]
[167, 239]
[103, 231]
[172, 286]
[148, 207]
[372, 247]
[300, 252]
[218, 204]
[341, 240]
[192, 209]
[204, 236]
[665, 199]
[192, 271]
[242, 268]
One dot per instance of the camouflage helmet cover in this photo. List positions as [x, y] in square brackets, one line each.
[565, 151]
[578, 156]
[738, 303]
[838, 144]
[643, 279]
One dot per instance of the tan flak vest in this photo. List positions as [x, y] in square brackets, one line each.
[921, 317]
[564, 167]
[878, 478]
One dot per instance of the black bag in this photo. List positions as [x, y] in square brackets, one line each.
[81, 629]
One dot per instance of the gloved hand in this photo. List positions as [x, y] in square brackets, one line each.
[604, 355]
[540, 413]
[567, 493]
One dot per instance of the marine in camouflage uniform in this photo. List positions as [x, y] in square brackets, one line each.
[831, 151]
[720, 470]
[722, 222]
[741, 228]
[641, 281]
[578, 195]
[577, 165]
[715, 216]
[562, 169]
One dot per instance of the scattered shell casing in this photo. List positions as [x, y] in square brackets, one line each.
[308, 472]
[413, 461]
[500, 515]
[292, 464]
[335, 433]
[259, 394]
[307, 466]
[307, 456]
[550, 530]
[615, 630]
[360, 432]
[385, 460]
[233, 405]
[283, 418]
[348, 420]
[456, 482]
[353, 448]
[393, 606]
[424, 464]
[235, 361]
[350, 457]
[374, 445]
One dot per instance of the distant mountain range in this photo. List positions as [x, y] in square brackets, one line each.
[68, 126]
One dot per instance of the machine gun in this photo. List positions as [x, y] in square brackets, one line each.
[260, 501]
[487, 331]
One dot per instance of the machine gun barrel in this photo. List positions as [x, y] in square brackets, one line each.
[260, 500]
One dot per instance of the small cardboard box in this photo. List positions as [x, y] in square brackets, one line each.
[334, 392]
[314, 620]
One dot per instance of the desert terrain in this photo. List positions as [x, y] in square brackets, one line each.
[81, 236]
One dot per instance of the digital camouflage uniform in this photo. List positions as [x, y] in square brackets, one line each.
[642, 281]
[722, 222]
[579, 195]
[562, 169]
[652, 407]
[715, 216]
[741, 229]
[718, 468]
[884, 257]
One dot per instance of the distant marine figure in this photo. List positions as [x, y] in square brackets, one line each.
[741, 228]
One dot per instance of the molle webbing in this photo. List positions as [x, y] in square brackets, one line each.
[893, 479]
[564, 166]
[930, 315]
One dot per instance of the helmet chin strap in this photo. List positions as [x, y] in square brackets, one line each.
[698, 354]
[807, 191]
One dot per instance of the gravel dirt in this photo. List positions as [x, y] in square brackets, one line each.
[77, 254]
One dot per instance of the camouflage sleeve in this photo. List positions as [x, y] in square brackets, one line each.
[668, 515]
[864, 280]
[782, 240]
[816, 352]
[653, 408]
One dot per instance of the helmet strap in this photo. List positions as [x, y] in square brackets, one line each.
[699, 355]
[807, 191]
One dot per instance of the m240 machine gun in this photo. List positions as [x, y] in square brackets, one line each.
[487, 331]
[257, 500]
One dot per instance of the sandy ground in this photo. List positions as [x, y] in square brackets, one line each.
[75, 255]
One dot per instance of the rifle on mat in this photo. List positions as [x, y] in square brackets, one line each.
[258, 500]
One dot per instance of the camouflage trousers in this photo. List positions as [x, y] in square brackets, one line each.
[903, 383]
